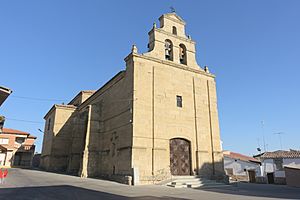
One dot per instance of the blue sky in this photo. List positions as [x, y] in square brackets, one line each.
[54, 49]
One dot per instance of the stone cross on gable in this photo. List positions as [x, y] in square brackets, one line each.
[172, 9]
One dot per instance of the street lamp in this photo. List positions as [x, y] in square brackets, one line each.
[41, 131]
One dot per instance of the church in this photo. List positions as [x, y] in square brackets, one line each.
[156, 119]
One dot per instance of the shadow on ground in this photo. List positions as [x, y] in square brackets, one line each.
[65, 192]
[259, 190]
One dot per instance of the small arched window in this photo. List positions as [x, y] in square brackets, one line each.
[174, 30]
[168, 50]
[182, 54]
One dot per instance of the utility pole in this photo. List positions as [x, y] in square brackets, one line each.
[279, 135]
[258, 142]
[263, 134]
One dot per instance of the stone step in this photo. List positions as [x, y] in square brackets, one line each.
[178, 186]
[200, 185]
[214, 186]
[193, 182]
[183, 177]
[186, 183]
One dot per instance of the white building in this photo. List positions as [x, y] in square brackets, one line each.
[241, 167]
[273, 164]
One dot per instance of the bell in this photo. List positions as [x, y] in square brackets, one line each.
[167, 52]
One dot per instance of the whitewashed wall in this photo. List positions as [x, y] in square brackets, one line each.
[292, 162]
[239, 166]
[2, 157]
[9, 158]
[268, 166]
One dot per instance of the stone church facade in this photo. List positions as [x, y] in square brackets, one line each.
[155, 119]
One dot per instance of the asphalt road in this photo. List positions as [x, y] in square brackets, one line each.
[23, 184]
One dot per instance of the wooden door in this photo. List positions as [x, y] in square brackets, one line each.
[251, 174]
[270, 178]
[180, 159]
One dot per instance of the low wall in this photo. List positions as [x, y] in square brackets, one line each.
[239, 178]
[292, 176]
[261, 179]
[118, 178]
[280, 180]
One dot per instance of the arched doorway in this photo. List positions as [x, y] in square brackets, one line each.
[180, 157]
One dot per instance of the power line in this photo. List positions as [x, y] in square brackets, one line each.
[21, 120]
[263, 134]
[36, 99]
[36, 122]
[78, 123]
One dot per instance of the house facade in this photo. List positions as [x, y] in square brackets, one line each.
[155, 119]
[273, 164]
[16, 148]
[241, 167]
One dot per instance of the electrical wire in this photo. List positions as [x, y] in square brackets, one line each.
[36, 99]
[21, 120]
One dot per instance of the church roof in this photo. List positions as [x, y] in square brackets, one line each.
[88, 91]
[80, 93]
[117, 77]
[63, 106]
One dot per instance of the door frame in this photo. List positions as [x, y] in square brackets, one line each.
[190, 155]
[252, 176]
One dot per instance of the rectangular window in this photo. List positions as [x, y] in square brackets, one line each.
[20, 140]
[3, 140]
[49, 124]
[278, 163]
[179, 101]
